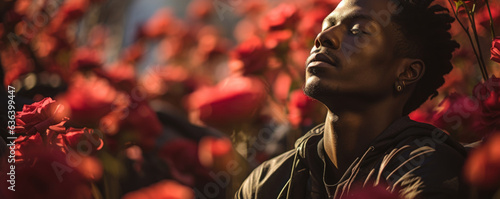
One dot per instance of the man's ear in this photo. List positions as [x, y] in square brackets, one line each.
[412, 71]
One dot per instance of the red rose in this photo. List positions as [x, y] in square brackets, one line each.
[134, 52]
[424, 113]
[233, 101]
[210, 45]
[495, 50]
[166, 189]
[182, 156]
[373, 192]
[122, 75]
[73, 9]
[284, 16]
[281, 86]
[85, 59]
[301, 109]
[310, 24]
[25, 144]
[457, 112]
[275, 38]
[39, 116]
[45, 44]
[483, 17]
[482, 167]
[89, 99]
[142, 120]
[68, 12]
[51, 138]
[81, 139]
[15, 63]
[21, 6]
[250, 57]
[212, 150]
[488, 95]
[50, 175]
[90, 168]
[454, 110]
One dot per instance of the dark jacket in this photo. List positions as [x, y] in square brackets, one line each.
[416, 158]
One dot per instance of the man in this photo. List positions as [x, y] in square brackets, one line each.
[373, 63]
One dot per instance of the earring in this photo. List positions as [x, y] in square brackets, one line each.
[400, 86]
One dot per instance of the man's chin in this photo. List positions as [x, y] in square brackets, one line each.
[314, 91]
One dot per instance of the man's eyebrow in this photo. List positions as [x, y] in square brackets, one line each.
[357, 16]
[352, 17]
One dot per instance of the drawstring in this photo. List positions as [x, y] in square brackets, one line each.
[354, 168]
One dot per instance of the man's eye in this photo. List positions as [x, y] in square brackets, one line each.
[356, 31]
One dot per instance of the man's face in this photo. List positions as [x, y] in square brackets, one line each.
[353, 56]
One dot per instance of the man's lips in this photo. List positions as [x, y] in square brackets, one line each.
[321, 57]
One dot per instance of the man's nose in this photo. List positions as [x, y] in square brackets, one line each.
[328, 38]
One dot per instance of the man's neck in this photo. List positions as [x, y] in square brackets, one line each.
[348, 134]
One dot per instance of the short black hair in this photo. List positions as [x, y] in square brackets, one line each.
[425, 35]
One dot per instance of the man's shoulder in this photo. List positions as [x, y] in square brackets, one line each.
[269, 178]
[418, 158]
[426, 165]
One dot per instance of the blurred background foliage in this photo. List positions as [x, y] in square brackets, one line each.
[186, 97]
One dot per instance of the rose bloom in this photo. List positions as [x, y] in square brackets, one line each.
[424, 113]
[495, 50]
[482, 168]
[310, 24]
[89, 99]
[233, 101]
[38, 116]
[76, 138]
[15, 63]
[50, 176]
[74, 9]
[284, 16]
[275, 38]
[212, 151]
[453, 110]
[134, 52]
[249, 57]
[144, 123]
[301, 109]
[122, 75]
[182, 156]
[458, 113]
[166, 189]
[372, 192]
[483, 18]
[488, 94]
[85, 59]
[26, 144]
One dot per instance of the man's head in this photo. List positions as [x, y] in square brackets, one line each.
[369, 48]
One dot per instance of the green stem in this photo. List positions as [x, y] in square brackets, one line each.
[472, 21]
[468, 36]
[491, 20]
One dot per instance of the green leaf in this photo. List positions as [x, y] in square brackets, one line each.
[458, 4]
